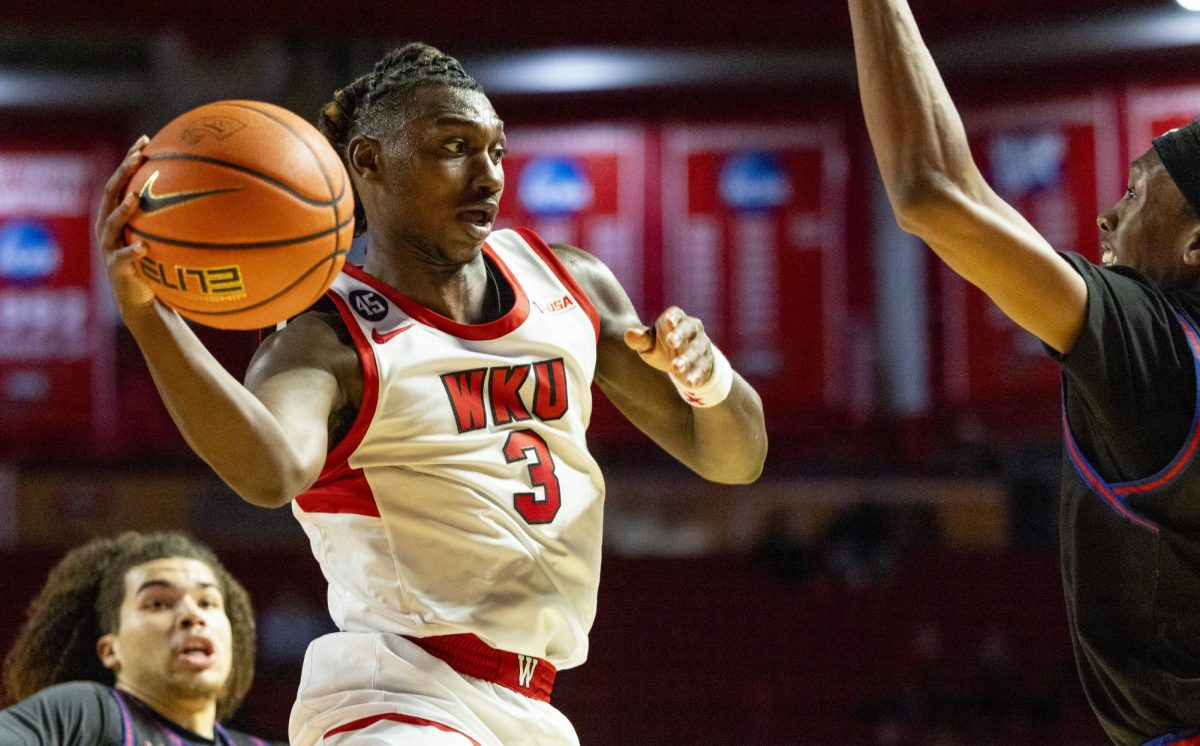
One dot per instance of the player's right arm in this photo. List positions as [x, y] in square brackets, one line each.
[267, 440]
[936, 189]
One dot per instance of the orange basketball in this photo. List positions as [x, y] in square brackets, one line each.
[246, 212]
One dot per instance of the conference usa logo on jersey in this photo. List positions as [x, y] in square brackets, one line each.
[370, 305]
[555, 305]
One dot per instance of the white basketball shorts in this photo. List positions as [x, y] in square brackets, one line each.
[371, 689]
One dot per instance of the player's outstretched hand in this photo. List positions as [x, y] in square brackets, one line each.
[130, 290]
[676, 344]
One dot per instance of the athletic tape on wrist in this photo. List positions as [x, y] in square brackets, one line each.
[713, 391]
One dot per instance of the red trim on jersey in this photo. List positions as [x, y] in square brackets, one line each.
[1098, 485]
[398, 718]
[471, 656]
[564, 275]
[339, 488]
[345, 490]
[491, 330]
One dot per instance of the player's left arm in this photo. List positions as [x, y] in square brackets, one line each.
[938, 192]
[726, 442]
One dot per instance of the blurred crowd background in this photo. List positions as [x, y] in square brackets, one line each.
[892, 579]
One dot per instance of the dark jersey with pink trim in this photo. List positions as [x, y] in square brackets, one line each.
[87, 713]
[1130, 512]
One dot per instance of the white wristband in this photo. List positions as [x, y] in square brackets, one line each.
[713, 391]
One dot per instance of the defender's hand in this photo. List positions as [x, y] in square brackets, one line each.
[676, 344]
[130, 291]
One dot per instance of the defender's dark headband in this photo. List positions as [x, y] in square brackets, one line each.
[1179, 150]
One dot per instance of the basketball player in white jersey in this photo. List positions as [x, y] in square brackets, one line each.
[427, 423]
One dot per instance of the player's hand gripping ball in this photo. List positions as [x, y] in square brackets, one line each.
[246, 212]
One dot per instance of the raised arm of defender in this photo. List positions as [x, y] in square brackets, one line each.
[268, 447]
[724, 443]
[938, 192]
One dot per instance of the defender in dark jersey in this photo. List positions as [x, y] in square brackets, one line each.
[1127, 337]
[143, 639]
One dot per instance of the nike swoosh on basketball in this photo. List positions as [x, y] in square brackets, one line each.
[149, 202]
[383, 338]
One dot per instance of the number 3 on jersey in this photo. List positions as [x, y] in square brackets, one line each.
[526, 445]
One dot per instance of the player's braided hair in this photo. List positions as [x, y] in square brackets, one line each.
[81, 601]
[371, 103]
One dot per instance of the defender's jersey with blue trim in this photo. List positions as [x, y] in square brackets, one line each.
[1130, 549]
[464, 498]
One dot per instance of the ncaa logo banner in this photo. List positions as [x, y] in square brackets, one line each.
[55, 347]
[754, 229]
[583, 186]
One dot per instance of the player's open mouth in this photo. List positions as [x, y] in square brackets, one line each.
[197, 652]
[479, 222]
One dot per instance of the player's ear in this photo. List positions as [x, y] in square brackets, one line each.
[1191, 245]
[106, 651]
[365, 156]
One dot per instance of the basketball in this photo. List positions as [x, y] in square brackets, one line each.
[246, 212]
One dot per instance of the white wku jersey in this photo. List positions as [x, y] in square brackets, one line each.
[464, 498]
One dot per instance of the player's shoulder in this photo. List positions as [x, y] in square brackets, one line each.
[317, 338]
[78, 693]
[1116, 277]
[592, 274]
[580, 263]
[575, 257]
[597, 281]
[321, 326]
[79, 712]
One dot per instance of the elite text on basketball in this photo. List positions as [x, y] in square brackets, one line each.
[214, 283]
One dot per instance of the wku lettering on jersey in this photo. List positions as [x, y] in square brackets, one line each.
[476, 392]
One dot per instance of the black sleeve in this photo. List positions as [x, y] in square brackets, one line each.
[77, 713]
[1129, 381]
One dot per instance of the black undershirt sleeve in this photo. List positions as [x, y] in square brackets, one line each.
[76, 713]
[1129, 381]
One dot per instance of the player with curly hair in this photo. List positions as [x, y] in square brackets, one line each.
[427, 422]
[141, 638]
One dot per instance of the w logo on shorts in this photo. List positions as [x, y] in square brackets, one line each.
[525, 667]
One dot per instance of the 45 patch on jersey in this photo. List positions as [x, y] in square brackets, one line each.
[370, 305]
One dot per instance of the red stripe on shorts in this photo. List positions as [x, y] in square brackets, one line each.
[471, 656]
[395, 717]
